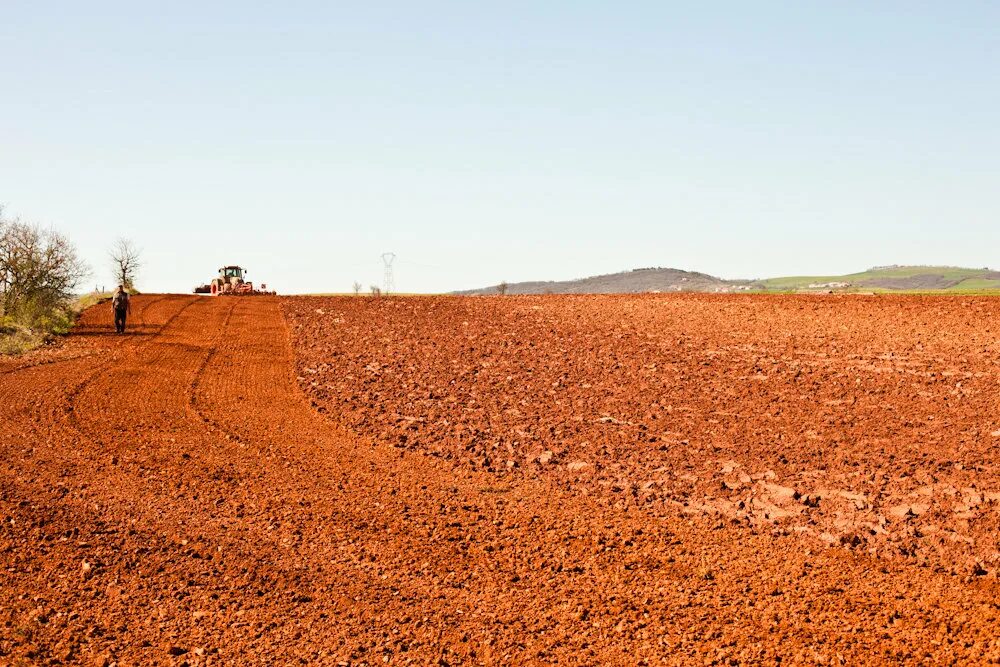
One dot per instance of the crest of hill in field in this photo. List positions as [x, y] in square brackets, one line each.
[627, 282]
[878, 279]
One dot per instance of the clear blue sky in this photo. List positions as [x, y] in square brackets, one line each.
[504, 141]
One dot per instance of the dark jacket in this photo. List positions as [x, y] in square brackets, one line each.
[120, 300]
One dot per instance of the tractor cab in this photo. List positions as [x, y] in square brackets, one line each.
[231, 272]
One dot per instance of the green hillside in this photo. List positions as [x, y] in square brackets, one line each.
[892, 279]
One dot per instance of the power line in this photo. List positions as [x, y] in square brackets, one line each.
[426, 266]
[388, 281]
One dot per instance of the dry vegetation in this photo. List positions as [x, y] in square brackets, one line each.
[39, 272]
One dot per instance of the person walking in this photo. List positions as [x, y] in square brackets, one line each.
[122, 307]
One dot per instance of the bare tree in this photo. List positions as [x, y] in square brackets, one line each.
[39, 271]
[126, 260]
[357, 288]
[502, 288]
[376, 290]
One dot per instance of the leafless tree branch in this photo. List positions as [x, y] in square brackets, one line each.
[39, 270]
[126, 260]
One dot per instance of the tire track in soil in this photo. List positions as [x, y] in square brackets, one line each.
[305, 542]
[167, 355]
[193, 388]
[66, 416]
[55, 500]
[52, 408]
[36, 398]
[88, 516]
[73, 395]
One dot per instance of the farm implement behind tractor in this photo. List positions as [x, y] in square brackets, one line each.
[231, 281]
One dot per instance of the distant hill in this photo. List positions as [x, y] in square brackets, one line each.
[627, 282]
[878, 279]
[893, 279]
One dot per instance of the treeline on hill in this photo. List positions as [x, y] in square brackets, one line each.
[39, 274]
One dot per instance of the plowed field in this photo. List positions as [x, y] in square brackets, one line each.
[573, 480]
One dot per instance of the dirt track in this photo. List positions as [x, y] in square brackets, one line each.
[172, 496]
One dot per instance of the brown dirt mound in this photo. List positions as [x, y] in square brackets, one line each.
[170, 497]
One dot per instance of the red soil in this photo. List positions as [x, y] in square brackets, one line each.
[582, 480]
[867, 422]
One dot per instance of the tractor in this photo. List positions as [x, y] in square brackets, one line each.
[231, 281]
